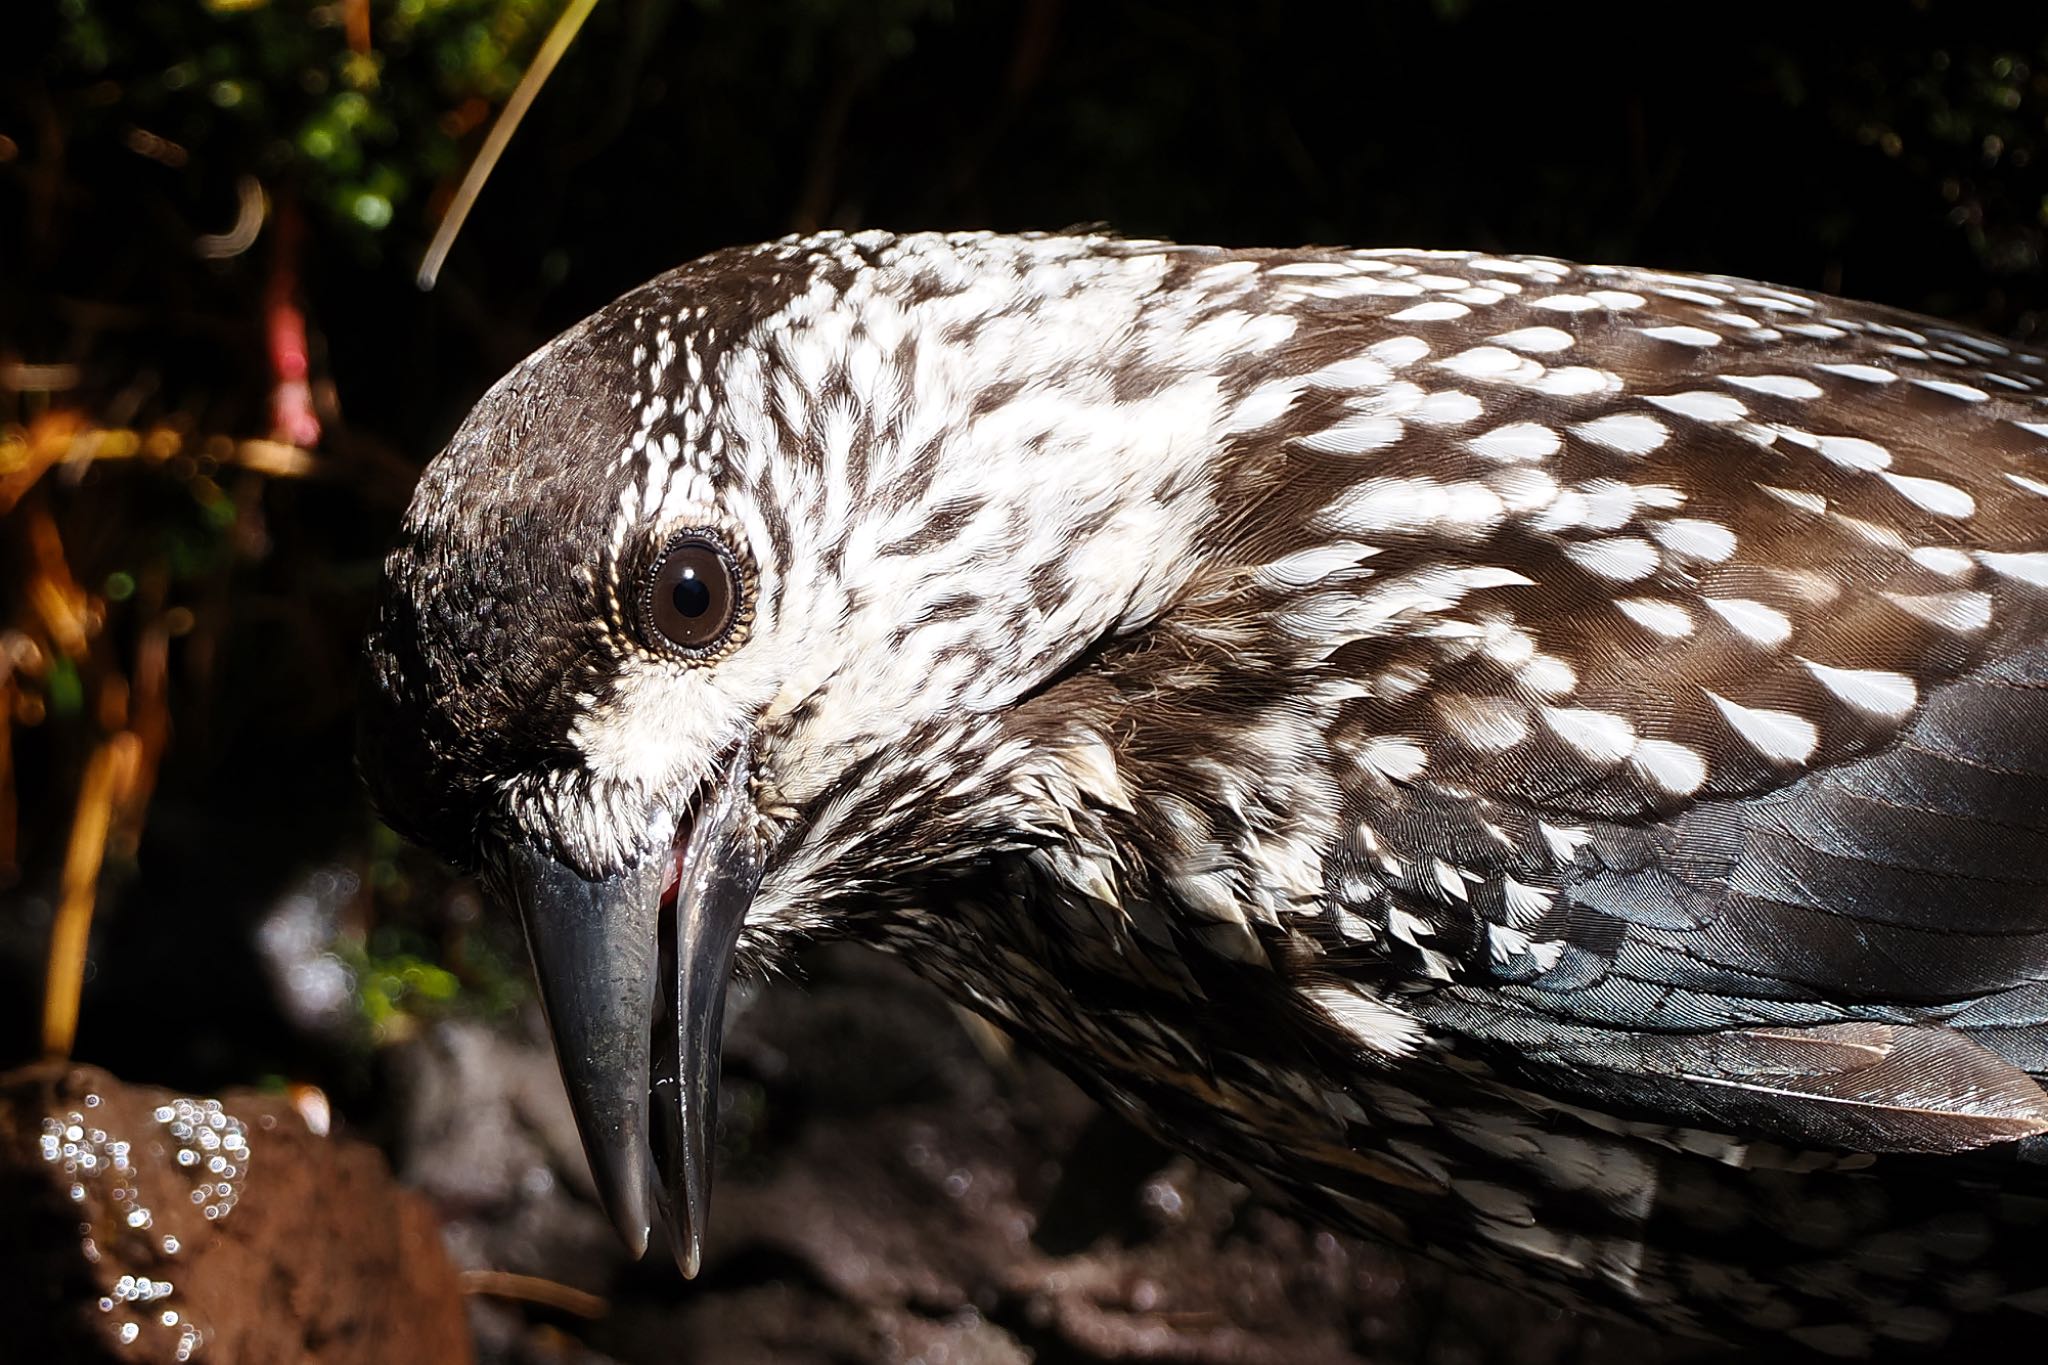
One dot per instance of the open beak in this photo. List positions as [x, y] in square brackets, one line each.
[633, 971]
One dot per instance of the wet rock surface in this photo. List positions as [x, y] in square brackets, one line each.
[895, 1185]
[145, 1226]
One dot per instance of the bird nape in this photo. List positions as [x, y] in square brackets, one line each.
[1541, 762]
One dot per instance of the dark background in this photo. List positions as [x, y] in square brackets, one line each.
[254, 925]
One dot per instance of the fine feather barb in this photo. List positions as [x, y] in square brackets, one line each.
[1860, 1087]
[1875, 1087]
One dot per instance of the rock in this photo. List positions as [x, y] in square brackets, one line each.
[144, 1226]
[484, 1130]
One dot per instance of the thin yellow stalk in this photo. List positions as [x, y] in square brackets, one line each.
[107, 774]
[551, 50]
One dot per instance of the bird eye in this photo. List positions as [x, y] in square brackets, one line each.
[695, 598]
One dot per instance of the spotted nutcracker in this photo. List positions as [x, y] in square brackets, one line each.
[1545, 763]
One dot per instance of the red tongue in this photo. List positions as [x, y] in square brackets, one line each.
[674, 874]
[678, 846]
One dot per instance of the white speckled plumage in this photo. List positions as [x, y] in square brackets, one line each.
[1572, 698]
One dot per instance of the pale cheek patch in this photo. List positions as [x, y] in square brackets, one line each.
[661, 730]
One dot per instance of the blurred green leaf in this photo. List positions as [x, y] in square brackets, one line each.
[366, 135]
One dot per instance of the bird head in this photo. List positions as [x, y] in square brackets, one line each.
[704, 631]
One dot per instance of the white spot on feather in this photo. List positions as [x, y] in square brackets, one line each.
[1948, 388]
[1436, 310]
[1862, 374]
[1094, 769]
[1355, 435]
[1700, 405]
[1397, 760]
[1964, 612]
[1853, 452]
[1505, 943]
[1684, 336]
[1353, 372]
[1797, 497]
[1631, 433]
[1525, 904]
[1548, 675]
[1621, 558]
[1777, 735]
[1491, 362]
[1488, 724]
[1524, 489]
[1765, 625]
[1265, 404]
[1942, 499]
[1407, 926]
[1396, 352]
[1942, 559]
[1879, 692]
[1517, 441]
[2029, 567]
[1575, 381]
[1313, 565]
[1675, 768]
[1382, 1028]
[1448, 408]
[1776, 385]
[1690, 538]
[1600, 735]
[1657, 615]
[1564, 841]
[1536, 340]
[1392, 504]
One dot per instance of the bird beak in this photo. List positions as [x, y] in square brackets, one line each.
[633, 971]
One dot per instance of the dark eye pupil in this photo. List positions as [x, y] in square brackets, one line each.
[691, 597]
[693, 601]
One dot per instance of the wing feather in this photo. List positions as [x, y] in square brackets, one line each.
[1720, 687]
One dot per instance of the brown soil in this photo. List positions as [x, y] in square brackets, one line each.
[142, 1226]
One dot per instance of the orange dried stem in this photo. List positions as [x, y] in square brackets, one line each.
[10, 808]
[24, 458]
[53, 592]
[62, 438]
[111, 768]
[503, 1284]
[358, 13]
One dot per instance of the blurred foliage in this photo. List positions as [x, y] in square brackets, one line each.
[424, 950]
[1973, 126]
[402, 980]
[359, 105]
